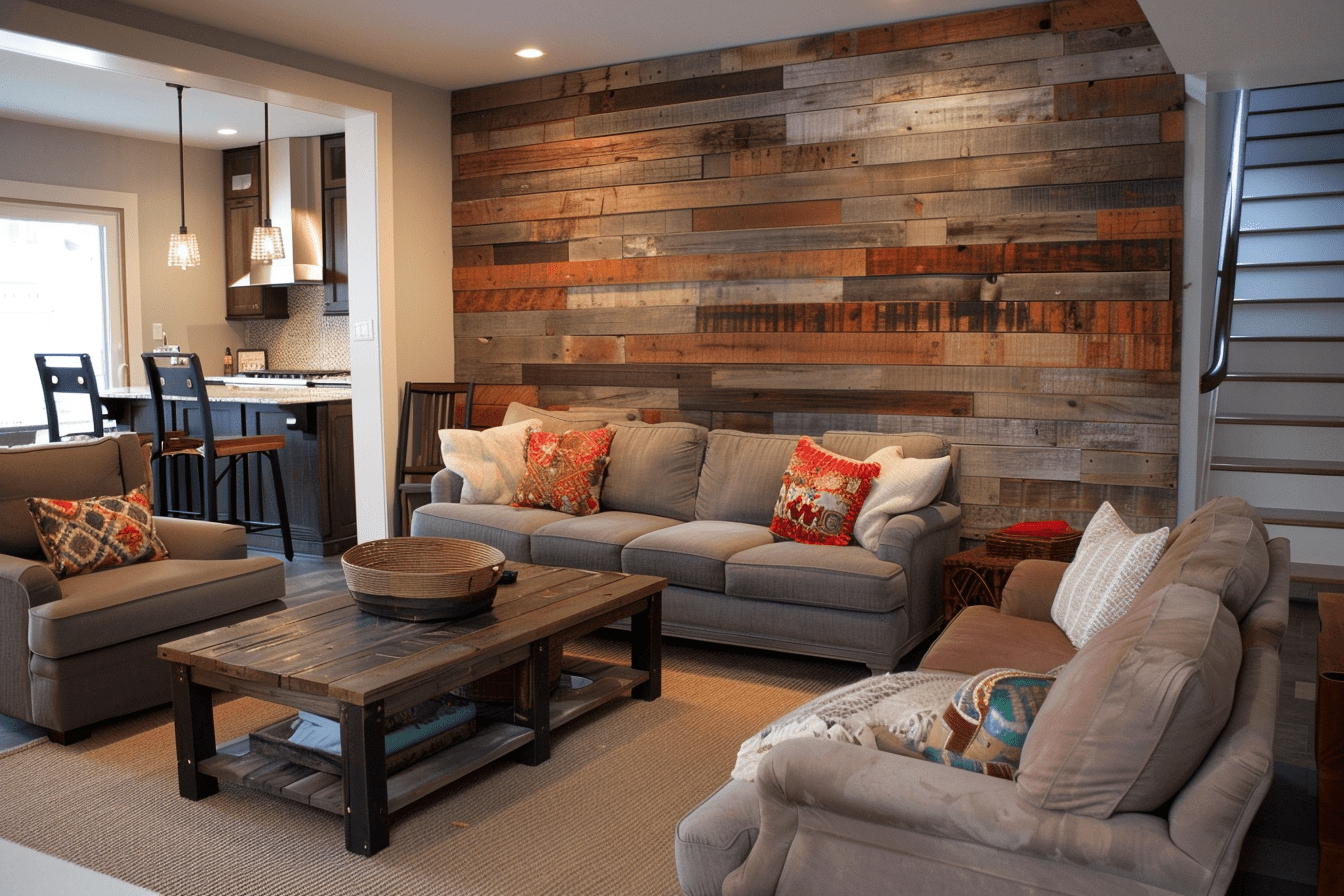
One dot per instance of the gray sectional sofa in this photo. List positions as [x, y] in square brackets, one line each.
[695, 506]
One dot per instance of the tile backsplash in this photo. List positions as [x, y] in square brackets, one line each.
[307, 340]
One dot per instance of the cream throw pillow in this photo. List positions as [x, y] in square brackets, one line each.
[1105, 575]
[491, 462]
[905, 484]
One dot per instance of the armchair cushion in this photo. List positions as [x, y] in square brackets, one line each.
[80, 537]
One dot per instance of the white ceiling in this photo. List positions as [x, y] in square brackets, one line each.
[463, 43]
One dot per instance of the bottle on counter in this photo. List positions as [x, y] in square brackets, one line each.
[228, 361]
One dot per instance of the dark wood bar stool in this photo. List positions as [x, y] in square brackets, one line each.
[426, 408]
[69, 373]
[184, 383]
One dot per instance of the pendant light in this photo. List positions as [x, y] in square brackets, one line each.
[183, 250]
[267, 242]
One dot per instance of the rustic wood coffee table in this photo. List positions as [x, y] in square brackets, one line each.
[331, 658]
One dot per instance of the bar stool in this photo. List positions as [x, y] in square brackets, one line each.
[185, 383]
[63, 377]
[426, 408]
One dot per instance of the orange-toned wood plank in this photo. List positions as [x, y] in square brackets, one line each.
[952, 29]
[783, 348]
[1084, 15]
[1135, 255]
[1146, 223]
[981, 259]
[1119, 96]
[473, 256]
[541, 299]
[777, 214]
[671, 269]
[1172, 127]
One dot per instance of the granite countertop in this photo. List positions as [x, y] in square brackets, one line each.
[245, 395]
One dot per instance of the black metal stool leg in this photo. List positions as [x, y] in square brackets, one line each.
[281, 503]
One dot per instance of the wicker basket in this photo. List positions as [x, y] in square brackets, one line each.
[1033, 547]
[423, 579]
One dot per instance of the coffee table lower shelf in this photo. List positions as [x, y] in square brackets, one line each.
[235, 762]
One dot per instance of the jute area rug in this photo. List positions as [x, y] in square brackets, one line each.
[598, 818]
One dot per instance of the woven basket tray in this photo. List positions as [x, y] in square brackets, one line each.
[1033, 547]
[423, 579]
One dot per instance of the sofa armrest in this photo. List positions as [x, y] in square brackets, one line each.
[1030, 589]
[445, 487]
[201, 539]
[24, 584]
[918, 542]
[915, 814]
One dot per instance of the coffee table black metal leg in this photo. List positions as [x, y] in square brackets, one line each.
[646, 648]
[532, 707]
[364, 777]
[194, 729]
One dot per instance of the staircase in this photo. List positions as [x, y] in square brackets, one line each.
[1278, 424]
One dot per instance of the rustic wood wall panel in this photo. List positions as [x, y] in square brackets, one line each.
[969, 225]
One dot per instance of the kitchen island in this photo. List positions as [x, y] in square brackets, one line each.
[317, 460]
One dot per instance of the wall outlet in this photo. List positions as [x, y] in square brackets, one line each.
[158, 331]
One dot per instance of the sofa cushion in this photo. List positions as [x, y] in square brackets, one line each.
[128, 602]
[740, 479]
[983, 638]
[1220, 548]
[558, 421]
[564, 471]
[655, 468]
[81, 537]
[1105, 575]
[1130, 718]
[692, 554]
[842, 578]
[902, 484]
[821, 495]
[594, 541]
[491, 462]
[64, 470]
[502, 526]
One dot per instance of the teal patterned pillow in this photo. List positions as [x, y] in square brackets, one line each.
[986, 724]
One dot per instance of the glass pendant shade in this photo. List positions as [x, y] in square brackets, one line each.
[183, 250]
[268, 243]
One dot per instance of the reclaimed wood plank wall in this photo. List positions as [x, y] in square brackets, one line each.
[970, 225]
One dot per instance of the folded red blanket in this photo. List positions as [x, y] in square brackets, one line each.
[1042, 529]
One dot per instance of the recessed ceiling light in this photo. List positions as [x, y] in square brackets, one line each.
[530, 53]
[227, 132]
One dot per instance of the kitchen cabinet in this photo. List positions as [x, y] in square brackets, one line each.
[242, 213]
[335, 243]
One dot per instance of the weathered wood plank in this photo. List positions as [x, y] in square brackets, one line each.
[688, 89]
[759, 105]
[1077, 15]
[935, 260]
[781, 292]
[976, 26]
[1114, 255]
[1098, 409]
[1011, 380]
[673, 221]
[778, 214]
[1125, 96]
[872, 402]
[997, 109]
[753, 266]
[774, 239]
[1126, 62]
[593, 80]
[626, 376]
[1127, 468]
[634, 295]
[951, 56]
[999, 461]
[540, 350]
[616, 396]
[512, 116]
[1121, 436]
[596, 248]
[578, 322]
[1113, 37]
[540, 299]
[540, 231]
[975, 79]
[1084, 197]
[1014, 228]
[1146, 223]
[650, 172]
[530, 253]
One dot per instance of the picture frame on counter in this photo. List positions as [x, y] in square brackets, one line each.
[250, 359]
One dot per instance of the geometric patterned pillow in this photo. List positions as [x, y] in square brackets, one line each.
[821, 495]
[1105, 575]
[564, 471]
[985, 726]
[85, 536]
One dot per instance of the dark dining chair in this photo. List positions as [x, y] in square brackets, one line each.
[177, 378]
[426, 408]
[69, 373]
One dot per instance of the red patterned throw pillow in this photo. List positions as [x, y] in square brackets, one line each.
[564, 471]
[96, 533]
[821, 496]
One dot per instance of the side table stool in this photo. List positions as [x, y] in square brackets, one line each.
[974, 577]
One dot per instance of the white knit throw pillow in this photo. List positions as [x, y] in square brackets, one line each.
[490, 462]
[1105, 575]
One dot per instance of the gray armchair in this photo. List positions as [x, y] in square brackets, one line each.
[81, 650]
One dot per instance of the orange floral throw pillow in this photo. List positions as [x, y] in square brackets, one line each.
[822, 495]
[564, 471]
[96, 533]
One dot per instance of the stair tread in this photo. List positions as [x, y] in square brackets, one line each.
[1287, 377]
[1287, 338]
[1278, 516]
[1280, 419]
[1278, 465]
[1318, 573]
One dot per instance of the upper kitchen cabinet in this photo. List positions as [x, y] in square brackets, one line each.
[335, 243]
[242, 213]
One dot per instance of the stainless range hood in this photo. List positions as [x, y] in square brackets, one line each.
[295, 170]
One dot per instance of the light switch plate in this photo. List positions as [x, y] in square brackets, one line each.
[361, 330]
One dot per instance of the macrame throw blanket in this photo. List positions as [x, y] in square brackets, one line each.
[904, 703]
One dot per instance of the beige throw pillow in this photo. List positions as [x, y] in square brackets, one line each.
[491, 462]
[905, 484]
[1105, 575]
